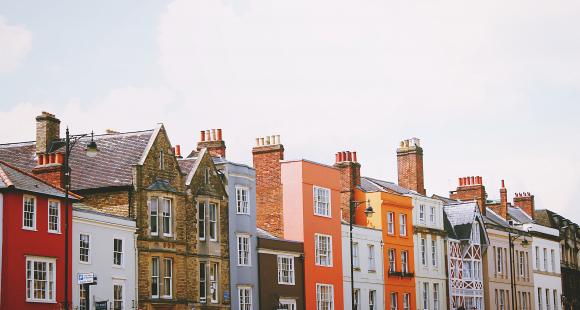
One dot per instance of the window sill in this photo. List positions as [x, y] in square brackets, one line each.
[29, 228]
[55, 232]
[37, 301]
[326, 266]
[118, 266]
[323, 215]
[239, 213]
[85, 263]
[288, 284]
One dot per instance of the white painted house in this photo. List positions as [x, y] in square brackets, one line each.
[545, 263]
[368, 267]
[104, 244]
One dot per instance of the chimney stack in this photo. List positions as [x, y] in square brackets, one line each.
[471, 188]
[47, 130]
[346, 162]
[267, 154]
[212, 140]
[502, 208]
[410, 165]
[525, 201]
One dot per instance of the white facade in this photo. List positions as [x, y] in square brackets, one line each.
[546, 267]
[369, 279]
[429, 243]
[112, 261]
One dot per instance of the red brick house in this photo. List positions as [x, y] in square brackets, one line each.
[33, 242]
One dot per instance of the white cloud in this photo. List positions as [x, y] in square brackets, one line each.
[15, 43]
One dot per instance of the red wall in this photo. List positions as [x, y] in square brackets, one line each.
[19, 243]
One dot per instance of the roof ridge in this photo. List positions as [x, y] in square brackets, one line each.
[17, 143]
[4, 178]
[39, 179]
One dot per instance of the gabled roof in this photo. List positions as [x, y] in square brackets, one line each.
[13, 178]
[112, 167]
[195, 165]
[445, 200]
[459, 219]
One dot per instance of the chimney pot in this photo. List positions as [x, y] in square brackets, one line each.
[52, 158]
[354, 157]
[502, 184]
[219, 134]
[348, 156]
[336, 158]
[59, 158]
[268, 140]
[473, 180]
[262, 141]
[460, 181]
[202, 136]
[178, 150]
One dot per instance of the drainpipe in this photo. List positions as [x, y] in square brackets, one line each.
[136, 302]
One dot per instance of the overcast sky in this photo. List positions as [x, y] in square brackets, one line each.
[492, 87]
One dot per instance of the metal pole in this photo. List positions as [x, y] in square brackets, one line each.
[66, 210]
[512, 271]
[351, 210]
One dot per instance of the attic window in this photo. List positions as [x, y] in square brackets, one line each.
[161, 160]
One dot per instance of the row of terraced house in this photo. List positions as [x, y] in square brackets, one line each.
[144, 227]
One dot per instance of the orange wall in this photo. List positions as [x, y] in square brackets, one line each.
[298, 180]
[383, 203]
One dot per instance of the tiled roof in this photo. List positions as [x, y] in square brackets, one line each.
[491, 217]
[519, 215]
[460, 218]
[118, 153]
[12, 177]
[446, 200]
[375, 185]
[186, 164]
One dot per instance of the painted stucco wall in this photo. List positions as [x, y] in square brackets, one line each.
[243, 176]
[429, 272]
[365, 279]
[102, 229]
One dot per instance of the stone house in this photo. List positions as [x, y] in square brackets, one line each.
[137, 175]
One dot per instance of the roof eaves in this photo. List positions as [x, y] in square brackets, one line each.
[150, 144]
[4, 177]
[195, 166]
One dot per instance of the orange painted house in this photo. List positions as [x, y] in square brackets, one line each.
[311, 204]
[393, 214]
[300, 200]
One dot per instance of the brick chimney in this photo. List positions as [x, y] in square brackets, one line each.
[501, 208]
[47, 130]
[49, 166]
[471, 188]
[525, 201]
[410, 165]
[212, 140]
[349, 167]
[267, 155]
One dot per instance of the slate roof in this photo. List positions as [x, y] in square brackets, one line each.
[458, 219]
[491, 217]
[445, 200]
[13, 178]
[264, 234]
[374, 185]
[519, 215]
[186, 164]
[162, 185]
[112, 167]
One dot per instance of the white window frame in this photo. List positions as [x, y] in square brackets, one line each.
[406, 301]
[288, 261]
[319, 287]
[201, 227]
[122, 285]
[121, 253]
[34, 212]
[248, 293]
[372, 258]
[51, 286]
[357, 299]
[537, 258]
[432, 215]
[372, 299]
[213, 223]
[214, 282]
[328, 261]
[423, 251]
[244, 251]
[203, 282]
[391, 223]
[422, 213]
[58, 216]
[403, 224]
[82, 297]
[355, 256]
[392, 253]
[499, 261]
[167, 275]
[545, 252]
[242, 206]
[434, 253]
[154, 208]
[155, 262]
[425, 295]
[393, 301]
[170, 217]
[322, 208]
[404, 261]
[291, 303]
[89, 249]
[436, 296]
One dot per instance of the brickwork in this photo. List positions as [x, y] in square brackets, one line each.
[525, 201]
[410, 166]
[111, 202]
[52, 174]
[269, 188]
[349, 179]
[213, 142]
[471, 188]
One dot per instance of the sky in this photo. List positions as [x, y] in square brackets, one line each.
[491, 88]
